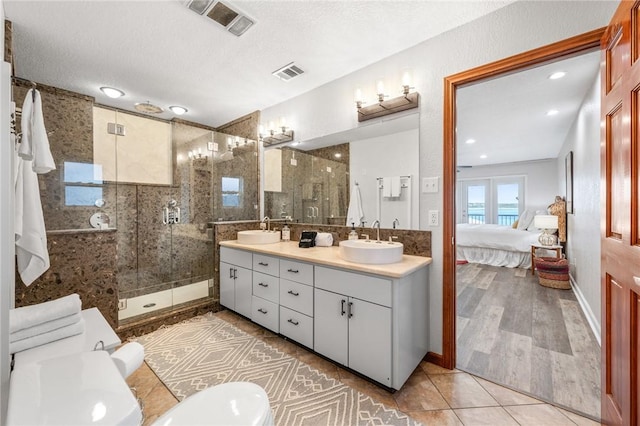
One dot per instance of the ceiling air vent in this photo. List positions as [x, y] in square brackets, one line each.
[287, 72]
[221, 13]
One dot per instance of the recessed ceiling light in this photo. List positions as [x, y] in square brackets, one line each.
[483, 156]
[112, 92]
[557, 75]
[552, 112]
[470, 141]
[178, 110]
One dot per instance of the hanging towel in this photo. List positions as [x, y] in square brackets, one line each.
[386, 187]
[396, 186]
[33, 315]
[30, 232]
[355, 213]
[34, 141]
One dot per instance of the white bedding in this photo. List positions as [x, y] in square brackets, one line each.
[494, 245]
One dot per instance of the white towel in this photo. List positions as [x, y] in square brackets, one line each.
[355, 213]
[45, 327]
[396, 186]
[32, 315]
[34, 141]
[29, 228]
[386, 187]
[52, 336]
[324, 239]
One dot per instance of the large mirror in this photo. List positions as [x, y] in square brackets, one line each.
[315, 181]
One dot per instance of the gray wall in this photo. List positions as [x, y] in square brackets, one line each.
[583, 227]
[516, 28]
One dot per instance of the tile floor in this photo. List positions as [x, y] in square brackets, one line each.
[432, 395]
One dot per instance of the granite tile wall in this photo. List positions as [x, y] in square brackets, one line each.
[82, 262]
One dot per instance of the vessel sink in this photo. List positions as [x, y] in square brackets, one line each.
[370, 251]
[258, 237]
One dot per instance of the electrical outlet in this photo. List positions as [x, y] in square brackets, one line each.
[122, 304]
[434, 218]
[430, 184]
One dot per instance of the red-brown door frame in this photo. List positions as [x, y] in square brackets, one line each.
[571, 46]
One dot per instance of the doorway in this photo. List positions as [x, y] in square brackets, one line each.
[453, 197]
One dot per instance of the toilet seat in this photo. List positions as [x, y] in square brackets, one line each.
[80, 389]
[235, 403]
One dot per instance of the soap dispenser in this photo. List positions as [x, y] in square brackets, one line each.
[353, 235]
[286, 232]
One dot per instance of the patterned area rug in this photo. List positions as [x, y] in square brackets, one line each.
[207, 351]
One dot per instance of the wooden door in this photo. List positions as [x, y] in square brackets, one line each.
[620, 272]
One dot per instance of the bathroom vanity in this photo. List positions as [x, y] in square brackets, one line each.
[370, 318]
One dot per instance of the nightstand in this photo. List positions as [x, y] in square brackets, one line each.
[557, 248]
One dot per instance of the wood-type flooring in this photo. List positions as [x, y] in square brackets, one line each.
[534, 339]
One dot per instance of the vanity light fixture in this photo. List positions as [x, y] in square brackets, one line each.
[408, 100]
[178, 110]
[112, 92]
[276, 136]
[197, 155]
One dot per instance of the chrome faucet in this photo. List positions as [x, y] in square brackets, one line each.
[376, 224]
[266, 219]
[396, 222]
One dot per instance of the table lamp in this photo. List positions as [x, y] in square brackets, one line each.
[548, 223]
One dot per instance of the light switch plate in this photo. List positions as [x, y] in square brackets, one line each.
[430, 184]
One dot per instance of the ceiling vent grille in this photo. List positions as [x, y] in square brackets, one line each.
[288, 72]
[221, 13]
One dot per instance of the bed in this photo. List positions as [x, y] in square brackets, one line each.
[495, 245]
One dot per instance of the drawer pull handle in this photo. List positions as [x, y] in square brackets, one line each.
[293, 293]
[149, 305]
[263, 285]
[262, 311]
[293, 271]
[293, 322]
[263, 264]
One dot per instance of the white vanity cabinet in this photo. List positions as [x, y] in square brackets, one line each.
[296, 301]
[353, 321]
[266, 283]
[236, 280]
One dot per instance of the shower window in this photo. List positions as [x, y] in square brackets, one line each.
[82, 183]
[231, 192]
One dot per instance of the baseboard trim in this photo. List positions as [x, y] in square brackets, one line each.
[586, 309]
[435, 358]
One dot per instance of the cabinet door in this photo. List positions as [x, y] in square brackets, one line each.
[330, 326]
[227, 286]
[370, 340]
[243, 291]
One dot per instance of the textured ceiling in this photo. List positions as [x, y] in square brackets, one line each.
[161, 52]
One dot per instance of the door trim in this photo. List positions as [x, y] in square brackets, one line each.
[571, 46]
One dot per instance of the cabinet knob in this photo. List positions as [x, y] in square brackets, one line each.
[293, 293]
[293, 322]
[262, 311]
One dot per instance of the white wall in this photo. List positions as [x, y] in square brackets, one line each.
[541, 179]
[391, 155]
[516, 28]
[7, 238]
[583, 226]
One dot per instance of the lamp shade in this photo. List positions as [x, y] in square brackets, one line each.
[545, 221]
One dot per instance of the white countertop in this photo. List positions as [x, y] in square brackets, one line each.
[329, 256]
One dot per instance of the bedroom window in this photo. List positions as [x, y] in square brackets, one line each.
[492, 200]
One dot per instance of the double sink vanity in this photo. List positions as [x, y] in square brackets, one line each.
[370, 317]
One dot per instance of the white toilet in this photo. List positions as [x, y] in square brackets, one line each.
[235, 403]
[79, 389]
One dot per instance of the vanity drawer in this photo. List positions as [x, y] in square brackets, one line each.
[296, 296]
[296, 326]
[266, 286]
[364, 287]
[236, 257]
[296, 271]
[264, 313]
[266, 264]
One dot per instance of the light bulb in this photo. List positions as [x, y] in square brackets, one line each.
[380, 87]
